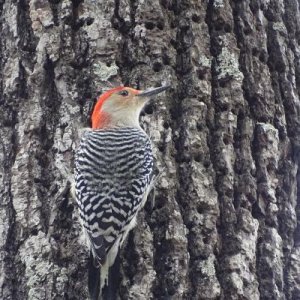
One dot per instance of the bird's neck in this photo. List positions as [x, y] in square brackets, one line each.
[128, 119]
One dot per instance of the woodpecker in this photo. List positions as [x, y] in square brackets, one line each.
[113, 176]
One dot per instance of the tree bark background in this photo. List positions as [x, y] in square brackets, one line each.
[225, 223]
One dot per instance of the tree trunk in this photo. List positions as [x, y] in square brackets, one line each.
[225, 223]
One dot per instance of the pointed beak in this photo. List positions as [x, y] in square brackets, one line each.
[153, 91]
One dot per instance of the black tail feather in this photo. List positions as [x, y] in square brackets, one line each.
[94, 279]
[109, 292]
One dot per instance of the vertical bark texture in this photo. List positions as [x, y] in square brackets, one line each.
[226, 220]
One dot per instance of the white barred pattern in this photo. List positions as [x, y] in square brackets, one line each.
[113, 169]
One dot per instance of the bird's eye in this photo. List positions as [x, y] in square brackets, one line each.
[123, 93]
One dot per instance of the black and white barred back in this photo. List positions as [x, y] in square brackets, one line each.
[113, 169]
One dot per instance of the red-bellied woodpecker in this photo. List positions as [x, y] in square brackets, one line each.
[113, 173]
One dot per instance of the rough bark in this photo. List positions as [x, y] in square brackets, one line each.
[226, 220]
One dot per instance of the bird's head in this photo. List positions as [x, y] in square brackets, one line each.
[121, 106]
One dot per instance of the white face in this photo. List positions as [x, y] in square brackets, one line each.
[124, 107]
